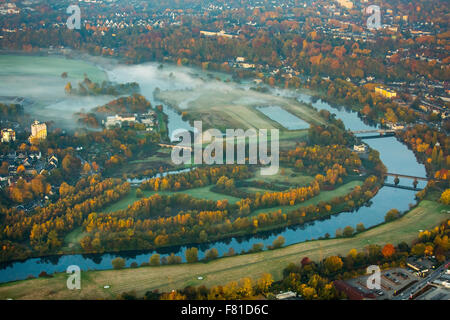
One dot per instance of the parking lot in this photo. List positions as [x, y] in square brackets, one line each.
[392, 281]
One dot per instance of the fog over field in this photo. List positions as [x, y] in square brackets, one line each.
[39, 79]
[197, 91]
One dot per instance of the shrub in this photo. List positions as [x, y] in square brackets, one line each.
[230, 253]
[191, 255]
[211, 254]
[118, 263]
[392, 215]
[348, 231]
[173, 259]
[257, 247]
[44, 274]
[155, 260]
[360, 227]
[278, 242]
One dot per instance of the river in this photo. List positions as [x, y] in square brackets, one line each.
[396, 157]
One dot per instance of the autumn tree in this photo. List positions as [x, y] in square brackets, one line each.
[191, 255]
[211, 254]
[278, 242]
[348, 231]
[392, 215]
[71, 165]
[388, 250]
[155, 260]
[360, 227]
[263, 284]
[445, 197]
[118, 263]
[333, 264]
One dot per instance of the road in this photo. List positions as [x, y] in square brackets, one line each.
[422, 283]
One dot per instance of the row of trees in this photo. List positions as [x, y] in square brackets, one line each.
[88, 87]
[11, 111]
[43, 231]
[150, 223]
[431, 148]
[195, 178]
[135, 103]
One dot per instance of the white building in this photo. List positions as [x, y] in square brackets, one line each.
[360, 148]
[117, 120]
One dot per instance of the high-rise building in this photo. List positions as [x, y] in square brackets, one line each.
[345, 3]
[385, 92]
[38, 131]
[8, 135]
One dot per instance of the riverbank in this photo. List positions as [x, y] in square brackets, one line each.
[165, 278]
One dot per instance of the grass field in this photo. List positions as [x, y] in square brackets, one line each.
[200, 193]
[427, 215]
[72, 240]
[285, 176]
[228, 106]
[322, 196]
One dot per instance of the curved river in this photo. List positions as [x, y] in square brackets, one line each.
[396, 157]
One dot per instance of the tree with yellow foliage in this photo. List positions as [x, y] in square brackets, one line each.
[445, 197]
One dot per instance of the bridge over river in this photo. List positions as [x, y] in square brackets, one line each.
[376, 133]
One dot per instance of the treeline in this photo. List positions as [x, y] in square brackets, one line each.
[135, 103]
[196, 178]
[10, 111]
[363, 100]
[332, 133]
[87, 88]
[431, 148]
[162, 220]
[321, 159]
[43, 231]
[157, 221]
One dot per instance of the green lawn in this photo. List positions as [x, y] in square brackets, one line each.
[165, 278]
[322, 196]
[206, 193]
[200, 193]
[72, 240]
[285, 177]
[255, 190]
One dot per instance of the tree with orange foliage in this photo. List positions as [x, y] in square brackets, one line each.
[388, 250]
